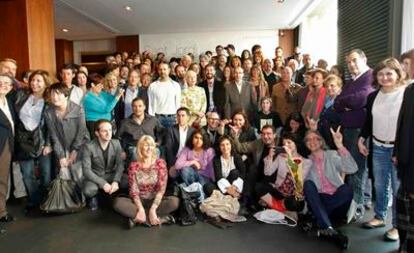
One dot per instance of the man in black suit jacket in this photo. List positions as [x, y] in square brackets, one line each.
[102, 163]
[176, 138]
[214, 87]
[7, 119]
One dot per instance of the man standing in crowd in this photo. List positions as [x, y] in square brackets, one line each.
[75, 93]
[137, 125]
[179, 76]
[102, 164]
[269, 75]
[350, 104]
[239, 96]
[307, 65]
[285, 95]
[8, 67]
[215, 91]
[164, 97]
[221, 64]
[6, 143]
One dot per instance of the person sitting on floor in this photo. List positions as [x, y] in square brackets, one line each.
[102, 163]
[229, 171]
[282, 188]
[325, 192]
[147, 179]
[195, 161]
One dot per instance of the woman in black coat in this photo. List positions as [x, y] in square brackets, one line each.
[229, 171]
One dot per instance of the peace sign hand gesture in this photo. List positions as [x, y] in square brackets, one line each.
[337, 137]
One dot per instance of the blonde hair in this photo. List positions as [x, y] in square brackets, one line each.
[146, 139]
[333, 78]
[107, 80]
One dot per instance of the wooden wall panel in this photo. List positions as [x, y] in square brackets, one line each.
[41, 34]
[127, 43]
[13, 30]
[27, 31]
[64, 52]
[287, 41]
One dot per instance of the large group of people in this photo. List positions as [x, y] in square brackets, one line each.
[283, 134]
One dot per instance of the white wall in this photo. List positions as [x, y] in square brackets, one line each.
[107, 45]
[178, 44]
[319, 33]
[407, 34]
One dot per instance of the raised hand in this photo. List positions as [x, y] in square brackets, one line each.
[312, 124]
[337, 137]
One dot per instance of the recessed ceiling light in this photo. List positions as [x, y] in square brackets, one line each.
[65, 30]
[128, 8]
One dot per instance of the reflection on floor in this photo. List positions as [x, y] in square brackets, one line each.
[104, 231]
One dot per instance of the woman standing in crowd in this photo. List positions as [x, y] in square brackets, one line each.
[228, 74]
[235, 62]
[266, 117]
[383, 107]
[147, 179]
[82, 80]
[325, 191]
[67, 129]
[195, 161]
[32, 139]
[112, 86]
[7, 119]
[282, 189]
[329, 118]
[194, 98]
[245, 55]
[98, 104]
[229, 171]
[258, 83]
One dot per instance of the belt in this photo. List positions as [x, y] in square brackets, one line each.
[384, 142]
[165, 115]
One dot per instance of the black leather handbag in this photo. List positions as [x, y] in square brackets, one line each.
[64, 196]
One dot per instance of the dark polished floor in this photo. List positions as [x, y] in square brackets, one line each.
[104, 231]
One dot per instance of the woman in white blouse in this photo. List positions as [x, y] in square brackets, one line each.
[383, 107]
[229, 171]
[32, 141]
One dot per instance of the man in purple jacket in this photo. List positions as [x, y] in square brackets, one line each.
[350, 104]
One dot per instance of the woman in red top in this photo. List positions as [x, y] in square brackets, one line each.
[147, 179]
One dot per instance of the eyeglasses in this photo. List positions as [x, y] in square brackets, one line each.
[213, 119]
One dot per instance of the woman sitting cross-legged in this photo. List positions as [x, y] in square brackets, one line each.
[229, 171]
[195, 161]
[147, 183]
[325, 192]
[284, 177]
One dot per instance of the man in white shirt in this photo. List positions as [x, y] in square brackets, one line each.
[76, 94]
[164, 97]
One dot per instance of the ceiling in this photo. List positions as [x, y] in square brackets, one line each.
[98, 19]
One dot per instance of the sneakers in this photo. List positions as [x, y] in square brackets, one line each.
[93, 204]
[335, 236]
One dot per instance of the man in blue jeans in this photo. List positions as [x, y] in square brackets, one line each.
[350, 104]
